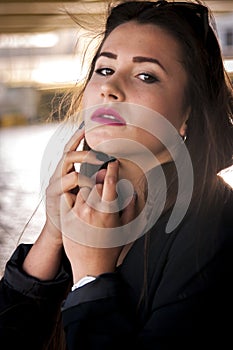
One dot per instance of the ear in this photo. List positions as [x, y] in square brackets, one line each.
[183, 128]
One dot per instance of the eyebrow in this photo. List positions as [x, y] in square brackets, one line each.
[108, 54]
[136, 59]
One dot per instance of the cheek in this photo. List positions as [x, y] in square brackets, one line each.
[85, 97]
[150, 142]
[172, 110]
[90, 141]
[90, 94]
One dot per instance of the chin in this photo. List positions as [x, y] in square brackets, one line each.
[110, 147]
[113, 151]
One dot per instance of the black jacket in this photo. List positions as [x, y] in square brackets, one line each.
[180, 296]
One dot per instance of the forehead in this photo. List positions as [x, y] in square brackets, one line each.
[133, 36]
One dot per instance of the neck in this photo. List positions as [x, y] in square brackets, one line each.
[131, 172]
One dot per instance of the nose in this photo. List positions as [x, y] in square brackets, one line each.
[111, 91]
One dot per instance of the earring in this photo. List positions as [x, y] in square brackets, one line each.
[184, 138]
[81, 125]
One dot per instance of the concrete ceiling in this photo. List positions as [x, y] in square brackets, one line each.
[17, 16]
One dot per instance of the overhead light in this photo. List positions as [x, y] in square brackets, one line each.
[24, 41]
[228, 64]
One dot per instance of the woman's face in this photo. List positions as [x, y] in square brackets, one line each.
[140, 65]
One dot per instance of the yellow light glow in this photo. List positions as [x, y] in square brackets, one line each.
[227, 175]
[17, 41]
[228, 64]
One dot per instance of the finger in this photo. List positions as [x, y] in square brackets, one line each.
[74, 179]
[62, 168]
[82, 197]
[90, 196]
[83, 157]
[79, 157]
[69, 159]
[67, 164]
[69, 182]
[100, 176]
[61, 185]
[95, 201]
[110, 182]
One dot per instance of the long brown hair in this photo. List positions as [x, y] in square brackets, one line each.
[208, 92]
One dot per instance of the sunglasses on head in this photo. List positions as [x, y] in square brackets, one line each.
[196, 14]
[190, 11]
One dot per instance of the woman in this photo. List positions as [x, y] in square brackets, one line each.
[159, 64]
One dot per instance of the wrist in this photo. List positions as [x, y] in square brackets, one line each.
[44, 258]
[78, 275]
[53, 233]
[83, 281]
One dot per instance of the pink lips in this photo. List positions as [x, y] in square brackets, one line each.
[107, 116]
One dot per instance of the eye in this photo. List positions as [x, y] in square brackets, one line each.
[104, 71]
[147, 78]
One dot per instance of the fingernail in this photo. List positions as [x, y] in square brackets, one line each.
[81, 125]
[111, 159]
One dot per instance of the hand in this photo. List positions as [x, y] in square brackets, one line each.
[49, 243]
[87, 221]
[57, 185]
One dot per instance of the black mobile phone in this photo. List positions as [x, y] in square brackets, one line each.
[89, 170]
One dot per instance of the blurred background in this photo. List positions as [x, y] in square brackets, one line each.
[41, 51]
